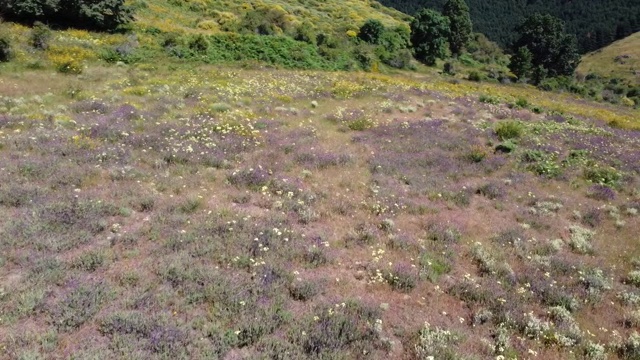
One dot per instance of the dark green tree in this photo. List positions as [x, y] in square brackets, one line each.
[461, 27]
[371, 31]
[91, 14]
[521, 63]
[429, 32]
[553, 52]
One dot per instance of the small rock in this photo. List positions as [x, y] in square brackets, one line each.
[359, 275]
[384, 306]
[314, 104]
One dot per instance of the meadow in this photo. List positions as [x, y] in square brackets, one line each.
[190, 211]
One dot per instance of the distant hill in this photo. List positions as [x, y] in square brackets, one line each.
[210, 16]
[620, 59]
[596, 23]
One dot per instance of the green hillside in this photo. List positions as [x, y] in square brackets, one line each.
[596, 23]
[211, 16]
[203, 184]
[618, 60]
[318, 35]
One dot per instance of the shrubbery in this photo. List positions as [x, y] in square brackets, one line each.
[276, 50]
[6, 52]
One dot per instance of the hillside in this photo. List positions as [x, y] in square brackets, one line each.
[167, 211]
[210, 16]
[596, 23]
[618, 60]
[193, 188]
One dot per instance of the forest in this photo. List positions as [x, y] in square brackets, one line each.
[596, 23]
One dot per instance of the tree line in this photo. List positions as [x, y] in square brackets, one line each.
[596, 23]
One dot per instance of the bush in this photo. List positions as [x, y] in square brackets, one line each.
[449, 68]
[371, 31]
[488, 99]
[509, 130]
[277, 50]
[580, 241]
[199, 44]
[633, 278]
[40, 36]
[336, 329]
[475, 76]
[403, 278]
[6, 52]
[78, 306]
[303, 290]
[629, 349]
[602, 176]
[435, 343]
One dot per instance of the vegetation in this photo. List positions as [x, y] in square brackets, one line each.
[99, 15]
[543, 49]
[620, 60]
[429, 33]
[200, 185]
[598, 24]
[460, 25]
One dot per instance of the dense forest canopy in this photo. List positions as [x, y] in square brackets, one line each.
[596, 23]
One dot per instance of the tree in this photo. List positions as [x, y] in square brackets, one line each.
[371, 31]
[553, 52]
[91, 14]
[521, 65]
[460, 29]
[429, 32]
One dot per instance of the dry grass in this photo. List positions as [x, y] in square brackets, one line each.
[620, 59]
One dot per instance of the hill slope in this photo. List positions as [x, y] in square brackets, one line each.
[217, 15]
[203, 213]
[620, 60]
[596, 23]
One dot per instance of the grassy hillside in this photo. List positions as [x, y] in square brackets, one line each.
[161, 199]
[318, 35]
[618, 60]
[210, 16]
[207, 212]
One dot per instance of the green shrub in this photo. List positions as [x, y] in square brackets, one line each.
[432, 266]
[361, 124]
[90, 261]
[475, 76]
[40, 36]
[633, 278]
[199, 44]
[522, 103]
[277, 50]
[602, 176]
[69, 67]
[509, 130]
[371, 31]
[488, 99]
[541, 163]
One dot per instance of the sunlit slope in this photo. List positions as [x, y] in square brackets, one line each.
[620, 59]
